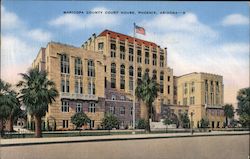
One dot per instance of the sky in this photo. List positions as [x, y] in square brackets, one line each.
[208, 37]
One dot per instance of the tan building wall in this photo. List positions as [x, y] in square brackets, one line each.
[106, 38]
[201, 92]
[52, 54]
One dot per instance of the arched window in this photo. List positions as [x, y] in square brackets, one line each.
[64, 64]
[122, 77]
[122, 70]
[91, 68]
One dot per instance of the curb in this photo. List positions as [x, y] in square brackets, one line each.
[117, 139]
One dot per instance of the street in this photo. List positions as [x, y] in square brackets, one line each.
[209, 147]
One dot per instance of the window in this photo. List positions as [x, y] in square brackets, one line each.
[122, 77]
[161, 61]
[179, 111]
[168, 89]
[162, 76]
[139, 56]
[185, 88]
[192, 87]
[192, 100]
[131, 74]
[122, 82]
[65, 106]
[65, 85]
[91, 68]
[154, 74]
[65, 123]
[78, 66]
[100, 46]
[113, 48]
[168, 78]
[113, 68]
[92, 124]
[146, 57]
[184, 101]
[131, 110]
[122, 98]
[131, 54]
[131, 71]
[105, 82]
[122, 52]
[113, 97]
[113, 75]
[64, 64]
[91, 88]
[147, 72]
[91, 107]
[76, 86]
[154, 59]
[161, 87]
[122, 110]
[105, 68]
[112, 109]
[78, 107]
[139, 73]
[206, 86]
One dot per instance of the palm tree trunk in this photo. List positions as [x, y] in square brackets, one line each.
[1, 127]
[11, 123]
[148, 130]
[38, 122]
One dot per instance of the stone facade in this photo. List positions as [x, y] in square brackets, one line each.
[203, 93]
[98, 78]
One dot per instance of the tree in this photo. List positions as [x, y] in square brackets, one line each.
[80, 119]
[36, 93]
[14, 104]
[243, 110]
[4, 108]
[184, 119]
[229, 112]
[204, 123]
[147, 91]
[110, 121]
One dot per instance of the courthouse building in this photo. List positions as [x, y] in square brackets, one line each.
[98, 78]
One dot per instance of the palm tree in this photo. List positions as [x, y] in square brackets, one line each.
[4, 107]
[36, 93]
[147, 92]
[229, 112]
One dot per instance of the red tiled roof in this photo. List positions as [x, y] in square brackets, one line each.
[123, 37]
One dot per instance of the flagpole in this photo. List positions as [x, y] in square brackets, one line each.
[134, 86]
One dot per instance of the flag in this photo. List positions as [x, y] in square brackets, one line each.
[140, 30]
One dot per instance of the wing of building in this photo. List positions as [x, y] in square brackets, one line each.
[97, 78]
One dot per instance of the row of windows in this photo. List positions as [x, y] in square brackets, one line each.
[212, 86]
[65, 66]
[191, 101]
[65, 107]
[122, 111]
[186, 87]
[139, 55]
[66, 123]
[65, 86]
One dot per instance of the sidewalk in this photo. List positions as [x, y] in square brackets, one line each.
[56, 140]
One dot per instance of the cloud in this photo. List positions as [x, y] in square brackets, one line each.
[235, 19]
[196, 47]
[39, 35]
[9, 20]
[75, 22]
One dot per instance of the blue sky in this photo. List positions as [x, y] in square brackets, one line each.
[210, 37]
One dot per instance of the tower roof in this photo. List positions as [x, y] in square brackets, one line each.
[130, 39]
